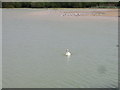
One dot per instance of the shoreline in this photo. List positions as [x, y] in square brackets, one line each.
[111, 12]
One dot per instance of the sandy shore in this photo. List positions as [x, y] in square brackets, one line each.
[78, 12]
[90, 12]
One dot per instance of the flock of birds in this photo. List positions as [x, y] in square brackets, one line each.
[81, 14]
[71, 14]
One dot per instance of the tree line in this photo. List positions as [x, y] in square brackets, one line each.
[60, 4]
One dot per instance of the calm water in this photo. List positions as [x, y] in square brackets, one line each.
[34, 47]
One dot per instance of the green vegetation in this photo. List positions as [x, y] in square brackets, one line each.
[60, 4]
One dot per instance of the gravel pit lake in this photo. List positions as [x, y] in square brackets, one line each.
[35, 41]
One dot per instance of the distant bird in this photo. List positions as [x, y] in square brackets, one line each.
[76, 14]
[68, 53]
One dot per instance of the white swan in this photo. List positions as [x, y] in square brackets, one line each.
[67, 52]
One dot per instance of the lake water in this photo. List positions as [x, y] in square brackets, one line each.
[34, 45]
